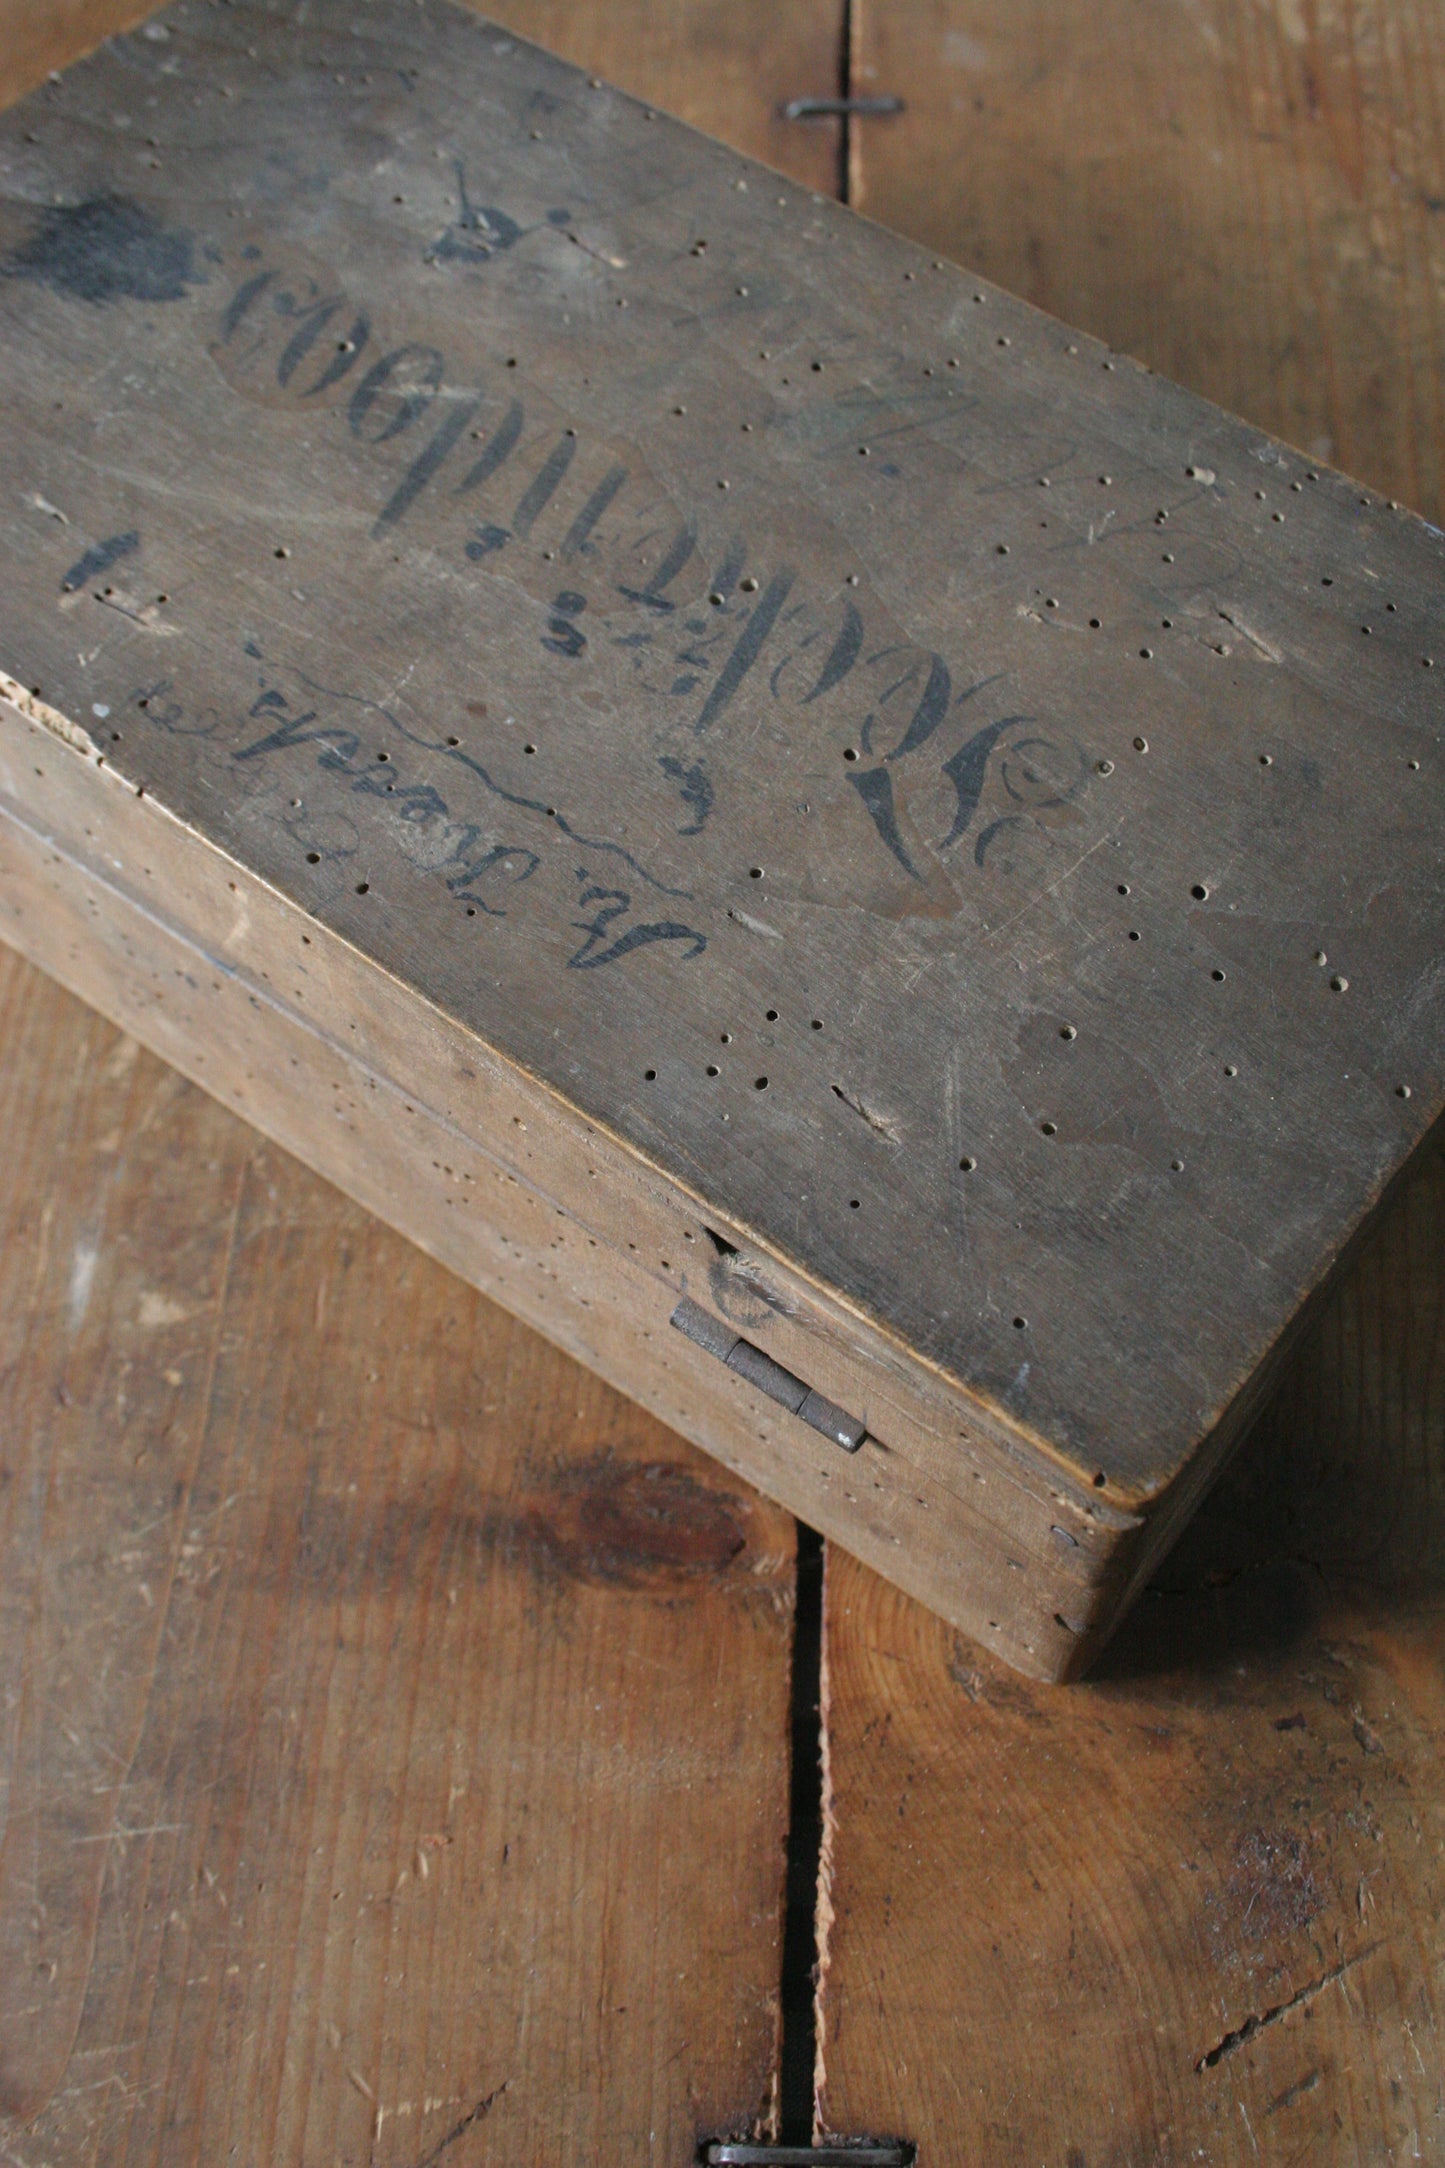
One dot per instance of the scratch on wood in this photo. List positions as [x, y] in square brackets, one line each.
[1254, 2024]
[473, 2115]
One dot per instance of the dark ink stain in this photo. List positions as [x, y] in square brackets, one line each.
[106, 249]
[99, 558]
[633, 1524]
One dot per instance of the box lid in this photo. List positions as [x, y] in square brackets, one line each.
[963, 806]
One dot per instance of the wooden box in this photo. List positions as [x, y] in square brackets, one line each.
[865, 864]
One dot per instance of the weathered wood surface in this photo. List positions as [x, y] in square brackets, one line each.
[1247, 194]
[1115, 848]
[1195, 1910]
[394, 1718]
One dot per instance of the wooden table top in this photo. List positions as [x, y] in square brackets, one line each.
[396, 1733]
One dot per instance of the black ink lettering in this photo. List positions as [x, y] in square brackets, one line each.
[652, 596]
[347, 355]
[541, 490]
[502, 444]
[749, 646]
[578, 543]
[693, 788]
[876, 790]
[638, 937]
[986, 835]
[485, 542]
[730, 571]
[843, 654]
[425, 465]
[249, 290]
[413, 403]
[967, 769]
[313, 322]
[930, 711]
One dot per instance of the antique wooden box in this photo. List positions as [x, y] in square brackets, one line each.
[865, 864]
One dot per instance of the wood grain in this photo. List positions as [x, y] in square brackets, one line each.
[1194, 1910]
[1190, 1911]
[1247, 194]
[1049, 742]
[725, 66]
[381, 1682]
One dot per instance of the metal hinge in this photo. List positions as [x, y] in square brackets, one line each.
[769, 1377]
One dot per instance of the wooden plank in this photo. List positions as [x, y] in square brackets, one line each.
[1188, 1911]
[395, 1717]
[1203, 1895]
[1246, 195]
[1048, 1258]
[728, 68]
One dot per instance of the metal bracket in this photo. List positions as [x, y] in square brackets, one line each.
[835, 2153]
[853, 108]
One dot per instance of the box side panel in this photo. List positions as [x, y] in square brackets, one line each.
[509, 1188]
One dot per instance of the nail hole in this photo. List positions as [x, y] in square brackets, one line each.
[760, 1083]
[1050, 1129]
[1141, 745]
[1067, 1031]
[966, 1165]
[817, 1023]
[1021, 1324]
[363, 888]
[771, 1015]
[755, 873]
[1199, 892]
[649, 1076]
[712, 1068]
[1339, 985]
[313, 858]
[1217, 976]
[854, 1203]
[1176, 1166]
[1402, 1091]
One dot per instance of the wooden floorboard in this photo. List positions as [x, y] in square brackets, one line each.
[1195, 1909]
[395, 1717]
[1050, 1905]
[1246, 194]
[394, 1727]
